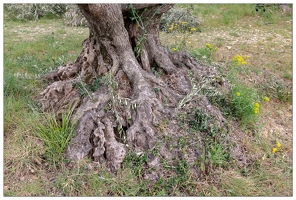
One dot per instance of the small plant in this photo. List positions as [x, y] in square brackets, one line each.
[278, 147]
[239, 60]
[214, 153]
[243, 104]
[55, 134]
[136, 162]
[82, 88]
[86, 90]
[205, 54]
[96, 85]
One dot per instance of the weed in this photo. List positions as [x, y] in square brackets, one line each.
[13, 87]
[96, 85]
[136, 162]
[243, 105]
[157, 72]
[235, 34]
[204, 55]
[82, 88]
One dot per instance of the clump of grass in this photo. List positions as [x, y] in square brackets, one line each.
[55, 134]
[242, 102]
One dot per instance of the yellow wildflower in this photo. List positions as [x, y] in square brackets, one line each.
[266, 98]
[174, 49]
[256, 110]
[278, 144]
[239, 60]
[256, 105]
[171, 28]
[184, 22]
[209, 46]
[274, 150]
[193, 29]
[238, 94]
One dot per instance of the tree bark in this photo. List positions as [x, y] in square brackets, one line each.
[142, 83]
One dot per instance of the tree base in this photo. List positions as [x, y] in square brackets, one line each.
[123, 104]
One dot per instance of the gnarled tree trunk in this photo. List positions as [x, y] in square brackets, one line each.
[141, 84]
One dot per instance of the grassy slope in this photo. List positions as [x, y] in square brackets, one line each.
[31, 48]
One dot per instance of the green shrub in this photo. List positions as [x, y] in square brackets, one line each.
[179, 19]
[243, 104]
[73, 16]
[32, 11]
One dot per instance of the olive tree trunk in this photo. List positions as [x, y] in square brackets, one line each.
[124, 84]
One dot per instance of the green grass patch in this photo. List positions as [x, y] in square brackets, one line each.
[55, 134]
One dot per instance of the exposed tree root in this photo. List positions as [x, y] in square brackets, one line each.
[133, 101]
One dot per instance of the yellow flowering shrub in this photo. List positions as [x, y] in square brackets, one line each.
[239, 60]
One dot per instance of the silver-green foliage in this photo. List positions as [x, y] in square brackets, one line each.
[73, 16]
[181, 16]
[32, 11]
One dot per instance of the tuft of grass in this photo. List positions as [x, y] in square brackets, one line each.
[55, 135]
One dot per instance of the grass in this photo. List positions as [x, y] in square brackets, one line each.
[55, 135]
[34, 164]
